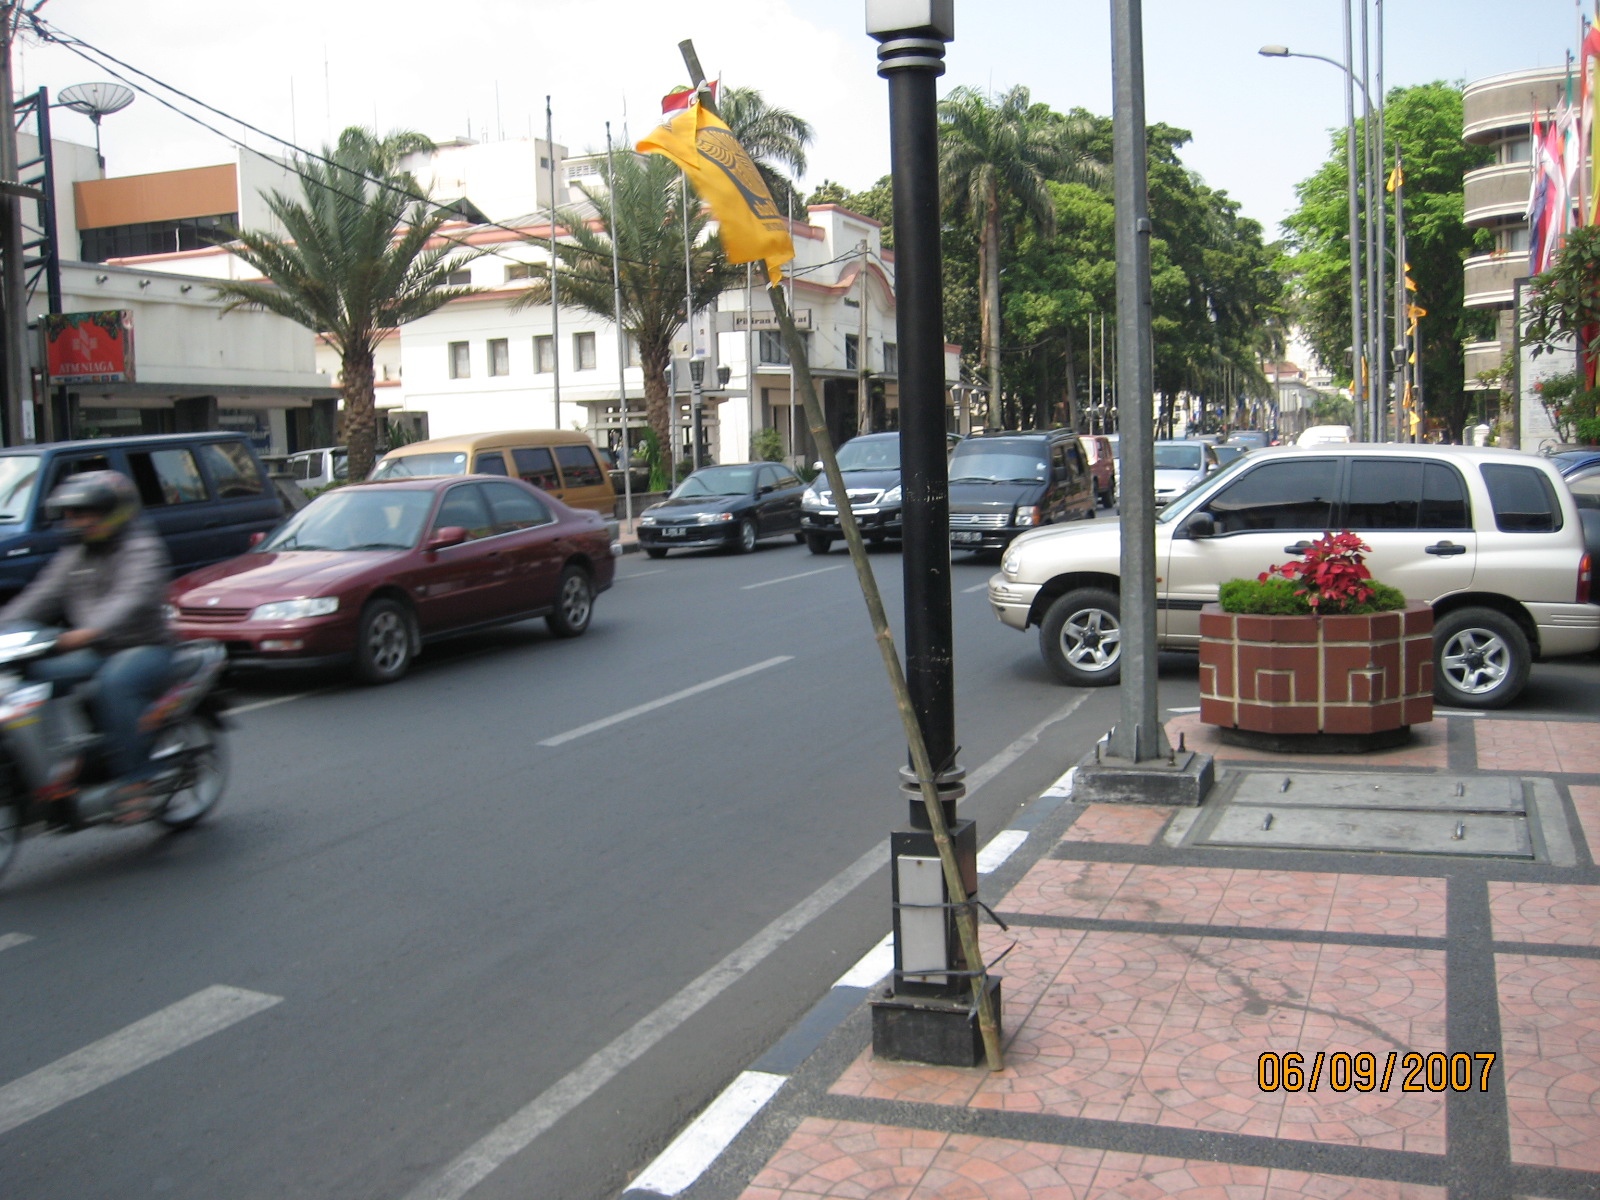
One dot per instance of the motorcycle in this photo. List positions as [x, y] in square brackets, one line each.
[53, 776]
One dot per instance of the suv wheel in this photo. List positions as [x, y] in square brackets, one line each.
[1081, 638]
[1480, 659]
[818, 543]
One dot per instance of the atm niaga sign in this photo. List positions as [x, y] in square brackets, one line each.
[92, 347]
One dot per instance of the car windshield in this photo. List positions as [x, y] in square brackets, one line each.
[18, 474]
[1171, 456]
[1016, 462]
[1194, 497]
[870, 454]
[452, 462]
[390, 519]
[718, 481]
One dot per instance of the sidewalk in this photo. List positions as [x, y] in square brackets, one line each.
[1153, 965]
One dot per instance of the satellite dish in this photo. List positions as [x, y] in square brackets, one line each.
[95, 100]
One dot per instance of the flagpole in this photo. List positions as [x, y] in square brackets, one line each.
[1402, 379]
[688, 324]
[790, 281]
[555, 299]
[622, 334]
[1381, 286]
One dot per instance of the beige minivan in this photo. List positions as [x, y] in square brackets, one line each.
[562, 462]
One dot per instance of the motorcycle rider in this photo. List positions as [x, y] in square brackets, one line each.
[108, 584]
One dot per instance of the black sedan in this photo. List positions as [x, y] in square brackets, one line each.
[731, 507]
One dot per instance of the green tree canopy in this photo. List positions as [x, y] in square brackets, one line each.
[358, 257]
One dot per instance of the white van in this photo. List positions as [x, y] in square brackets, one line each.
[1325, 435]
[313, 469]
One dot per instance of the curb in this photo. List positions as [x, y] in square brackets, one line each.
[698, 1146]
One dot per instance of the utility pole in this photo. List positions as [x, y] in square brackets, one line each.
[863, 398]
[18, 388]
[555, 297]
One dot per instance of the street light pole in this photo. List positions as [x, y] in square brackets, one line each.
[1358, 392]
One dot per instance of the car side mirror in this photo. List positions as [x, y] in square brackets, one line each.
[1199, 525]
[766, 489]
[817, 466]
[446, 536]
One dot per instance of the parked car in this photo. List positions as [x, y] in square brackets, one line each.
[638, 474]
[313, 469]
[206, 494]
[1003, 483]
[1228, 451]
[1324, 435]
[871, 467]
[1179, 465]
[1101, 454]
[1490, 538]
[373, 571]
[732, 507]
[559, 462]
[1249, 439]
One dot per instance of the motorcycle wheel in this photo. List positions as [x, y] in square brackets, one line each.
[205, 752]
[10, 834]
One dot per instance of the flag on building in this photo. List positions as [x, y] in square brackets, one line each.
[1539, 200]
[753, 230]
[1590, 51]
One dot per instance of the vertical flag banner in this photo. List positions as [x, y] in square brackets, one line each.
[752, 228]
[1589, 52]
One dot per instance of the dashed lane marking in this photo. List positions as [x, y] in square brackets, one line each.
[561, 739]
[786, 578]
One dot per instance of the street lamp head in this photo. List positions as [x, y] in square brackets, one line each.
[1273, 52]
[911, 18]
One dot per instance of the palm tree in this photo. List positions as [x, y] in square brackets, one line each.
[360, 257]
[991, 149]
[772, 137]
[644, 211]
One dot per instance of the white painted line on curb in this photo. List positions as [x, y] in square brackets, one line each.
[514, 1134]
[1458, 712]
[976, 588]
[697, 1147]
[1001, 847]
[871, 967]
[642, 574]
[276, 700]
[786, 578]
[8, 940]
[140, 1044]
[650, 706]
[1194, 709]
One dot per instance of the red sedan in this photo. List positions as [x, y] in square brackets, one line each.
[372, 571]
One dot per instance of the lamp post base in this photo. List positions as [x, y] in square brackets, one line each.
[1183, 780]
[940, 1031]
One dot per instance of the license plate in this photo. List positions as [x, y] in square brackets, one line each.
[671, 532]
[966, 535]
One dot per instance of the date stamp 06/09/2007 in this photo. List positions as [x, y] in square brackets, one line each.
[1341, 1071]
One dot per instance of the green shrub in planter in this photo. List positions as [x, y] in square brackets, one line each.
[1276, 596]
[1330, 578]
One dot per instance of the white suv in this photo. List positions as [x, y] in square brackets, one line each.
[1490, 538]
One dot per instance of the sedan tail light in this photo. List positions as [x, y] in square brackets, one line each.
[1585, 579]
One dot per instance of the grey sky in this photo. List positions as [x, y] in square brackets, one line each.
[1260, 125]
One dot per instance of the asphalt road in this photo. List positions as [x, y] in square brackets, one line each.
[500, 929]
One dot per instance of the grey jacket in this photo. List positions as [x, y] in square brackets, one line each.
[118, 589]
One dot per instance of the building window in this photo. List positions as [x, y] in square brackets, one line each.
[515, 271]
[852, 351]
[633, 359]
[891, 359]
[499, 356]
[461, 278]
[770, 349]
[460, 361]
[154, 237]
[583, 352]
[544, 354]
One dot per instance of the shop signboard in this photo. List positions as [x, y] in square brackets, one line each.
[89, 347]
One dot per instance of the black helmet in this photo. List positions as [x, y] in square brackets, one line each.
[110, 495]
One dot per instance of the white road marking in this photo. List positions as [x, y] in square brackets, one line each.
[786, 578]
[518, 1131]
[975, 588]
[1001, 847]
[1061, 787]
[641, 574]
[260, 704]
[1194, 709]
[871, 966]
[514, 1134]
[698, 1146]
[1458, 712]
[8, 940]
[561, 739]
[140, 1044]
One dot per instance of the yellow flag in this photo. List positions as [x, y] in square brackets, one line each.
[1396, 177]
[752, 228]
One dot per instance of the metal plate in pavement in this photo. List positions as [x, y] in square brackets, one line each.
[1453, 793]
[1500, 835]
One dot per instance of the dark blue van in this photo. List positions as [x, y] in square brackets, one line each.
[205, 492]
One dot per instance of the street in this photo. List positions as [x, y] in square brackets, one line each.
[438, 901]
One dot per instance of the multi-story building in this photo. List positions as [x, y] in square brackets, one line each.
[1498, 113]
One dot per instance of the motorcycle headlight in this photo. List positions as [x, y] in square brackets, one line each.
[1026, 515]
[892, 496]
[296, 610]
[714, 518]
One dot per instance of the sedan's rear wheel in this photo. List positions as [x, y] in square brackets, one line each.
[1081, 638]
[574, 604]
[385, 642]
[1480, 659]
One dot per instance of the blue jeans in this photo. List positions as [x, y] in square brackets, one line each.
[130, 681]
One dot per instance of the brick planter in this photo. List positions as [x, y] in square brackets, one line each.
[1337, 683]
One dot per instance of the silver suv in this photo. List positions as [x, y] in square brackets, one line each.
[1490, 538]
